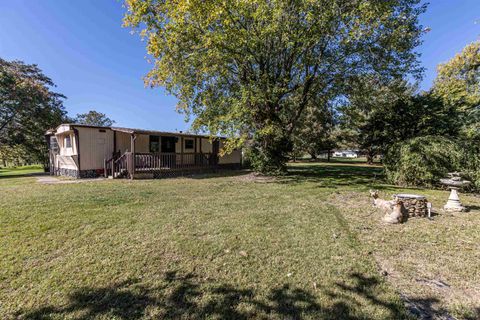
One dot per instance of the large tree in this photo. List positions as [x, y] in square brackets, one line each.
[377, 115]
[28, 107]
[94, 118]
[458, 86]
[249, 69]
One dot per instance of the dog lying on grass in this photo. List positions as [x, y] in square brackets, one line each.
[395, 211]
[385, 205]
[398, 215]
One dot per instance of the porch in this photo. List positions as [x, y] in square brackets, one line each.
[156, 165]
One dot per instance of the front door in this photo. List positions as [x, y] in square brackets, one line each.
[168, 144]
[167, 149]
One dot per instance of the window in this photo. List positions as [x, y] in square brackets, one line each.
[67, 142]
[189, 144]
[154, 143]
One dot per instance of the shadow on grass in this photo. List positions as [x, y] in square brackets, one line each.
[188, 297]
[473, 208]
[9, 175]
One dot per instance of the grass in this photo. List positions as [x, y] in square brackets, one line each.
[307, 245]
[20, 171]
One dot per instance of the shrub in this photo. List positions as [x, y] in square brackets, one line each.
[422, 161]
[471, 163]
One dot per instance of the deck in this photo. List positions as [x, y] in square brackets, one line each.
[131, 165]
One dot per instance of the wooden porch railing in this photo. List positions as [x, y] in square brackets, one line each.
[129, 163]
[145, 162]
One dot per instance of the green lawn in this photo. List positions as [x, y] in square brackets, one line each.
[20, 171]
[307, 245]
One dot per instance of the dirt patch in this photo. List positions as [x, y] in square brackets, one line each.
[256, 177]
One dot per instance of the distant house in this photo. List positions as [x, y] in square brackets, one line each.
[83, 151]
[345, 154]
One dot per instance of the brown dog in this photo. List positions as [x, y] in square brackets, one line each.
[398, 215]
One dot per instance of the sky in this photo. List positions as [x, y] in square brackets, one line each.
[99, 65]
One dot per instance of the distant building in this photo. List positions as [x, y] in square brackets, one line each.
[345, 153]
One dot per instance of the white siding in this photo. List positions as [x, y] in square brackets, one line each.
[66, 162]
[95, 147]
[123, 142]
[64, 151]
[63, 128]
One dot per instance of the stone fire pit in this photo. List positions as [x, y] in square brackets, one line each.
[415, 204]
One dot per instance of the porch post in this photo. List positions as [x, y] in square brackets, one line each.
[202, 160]
[181, 151]
[133, 137]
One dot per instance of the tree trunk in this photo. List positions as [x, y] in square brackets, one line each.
[328, 155]
[313, 156]
[270, 154]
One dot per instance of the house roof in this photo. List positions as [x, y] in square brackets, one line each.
[134, 130]
[157, 132]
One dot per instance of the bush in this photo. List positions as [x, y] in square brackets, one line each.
[422, 161]
[471, 163]
[269, 152]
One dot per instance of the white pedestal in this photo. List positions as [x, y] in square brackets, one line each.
[453, 204]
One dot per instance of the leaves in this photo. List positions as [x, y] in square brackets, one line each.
[94, 118]
[458, 80]
[28, 107]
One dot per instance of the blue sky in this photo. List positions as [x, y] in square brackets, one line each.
[99, 65]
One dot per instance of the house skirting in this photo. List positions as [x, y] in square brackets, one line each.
[95, 173]
[187, 172]
[77, 174]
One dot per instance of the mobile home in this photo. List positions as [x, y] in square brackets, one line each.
[84, 151]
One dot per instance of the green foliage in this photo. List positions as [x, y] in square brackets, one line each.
[270, 154]
[378, 115]
[369, 105]
[249, 69]
[28, 107]
[94, 118]
[13, 156]
[422, 161]
[457, 86]
[457, 82]
[314, 133]
[470, 165]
